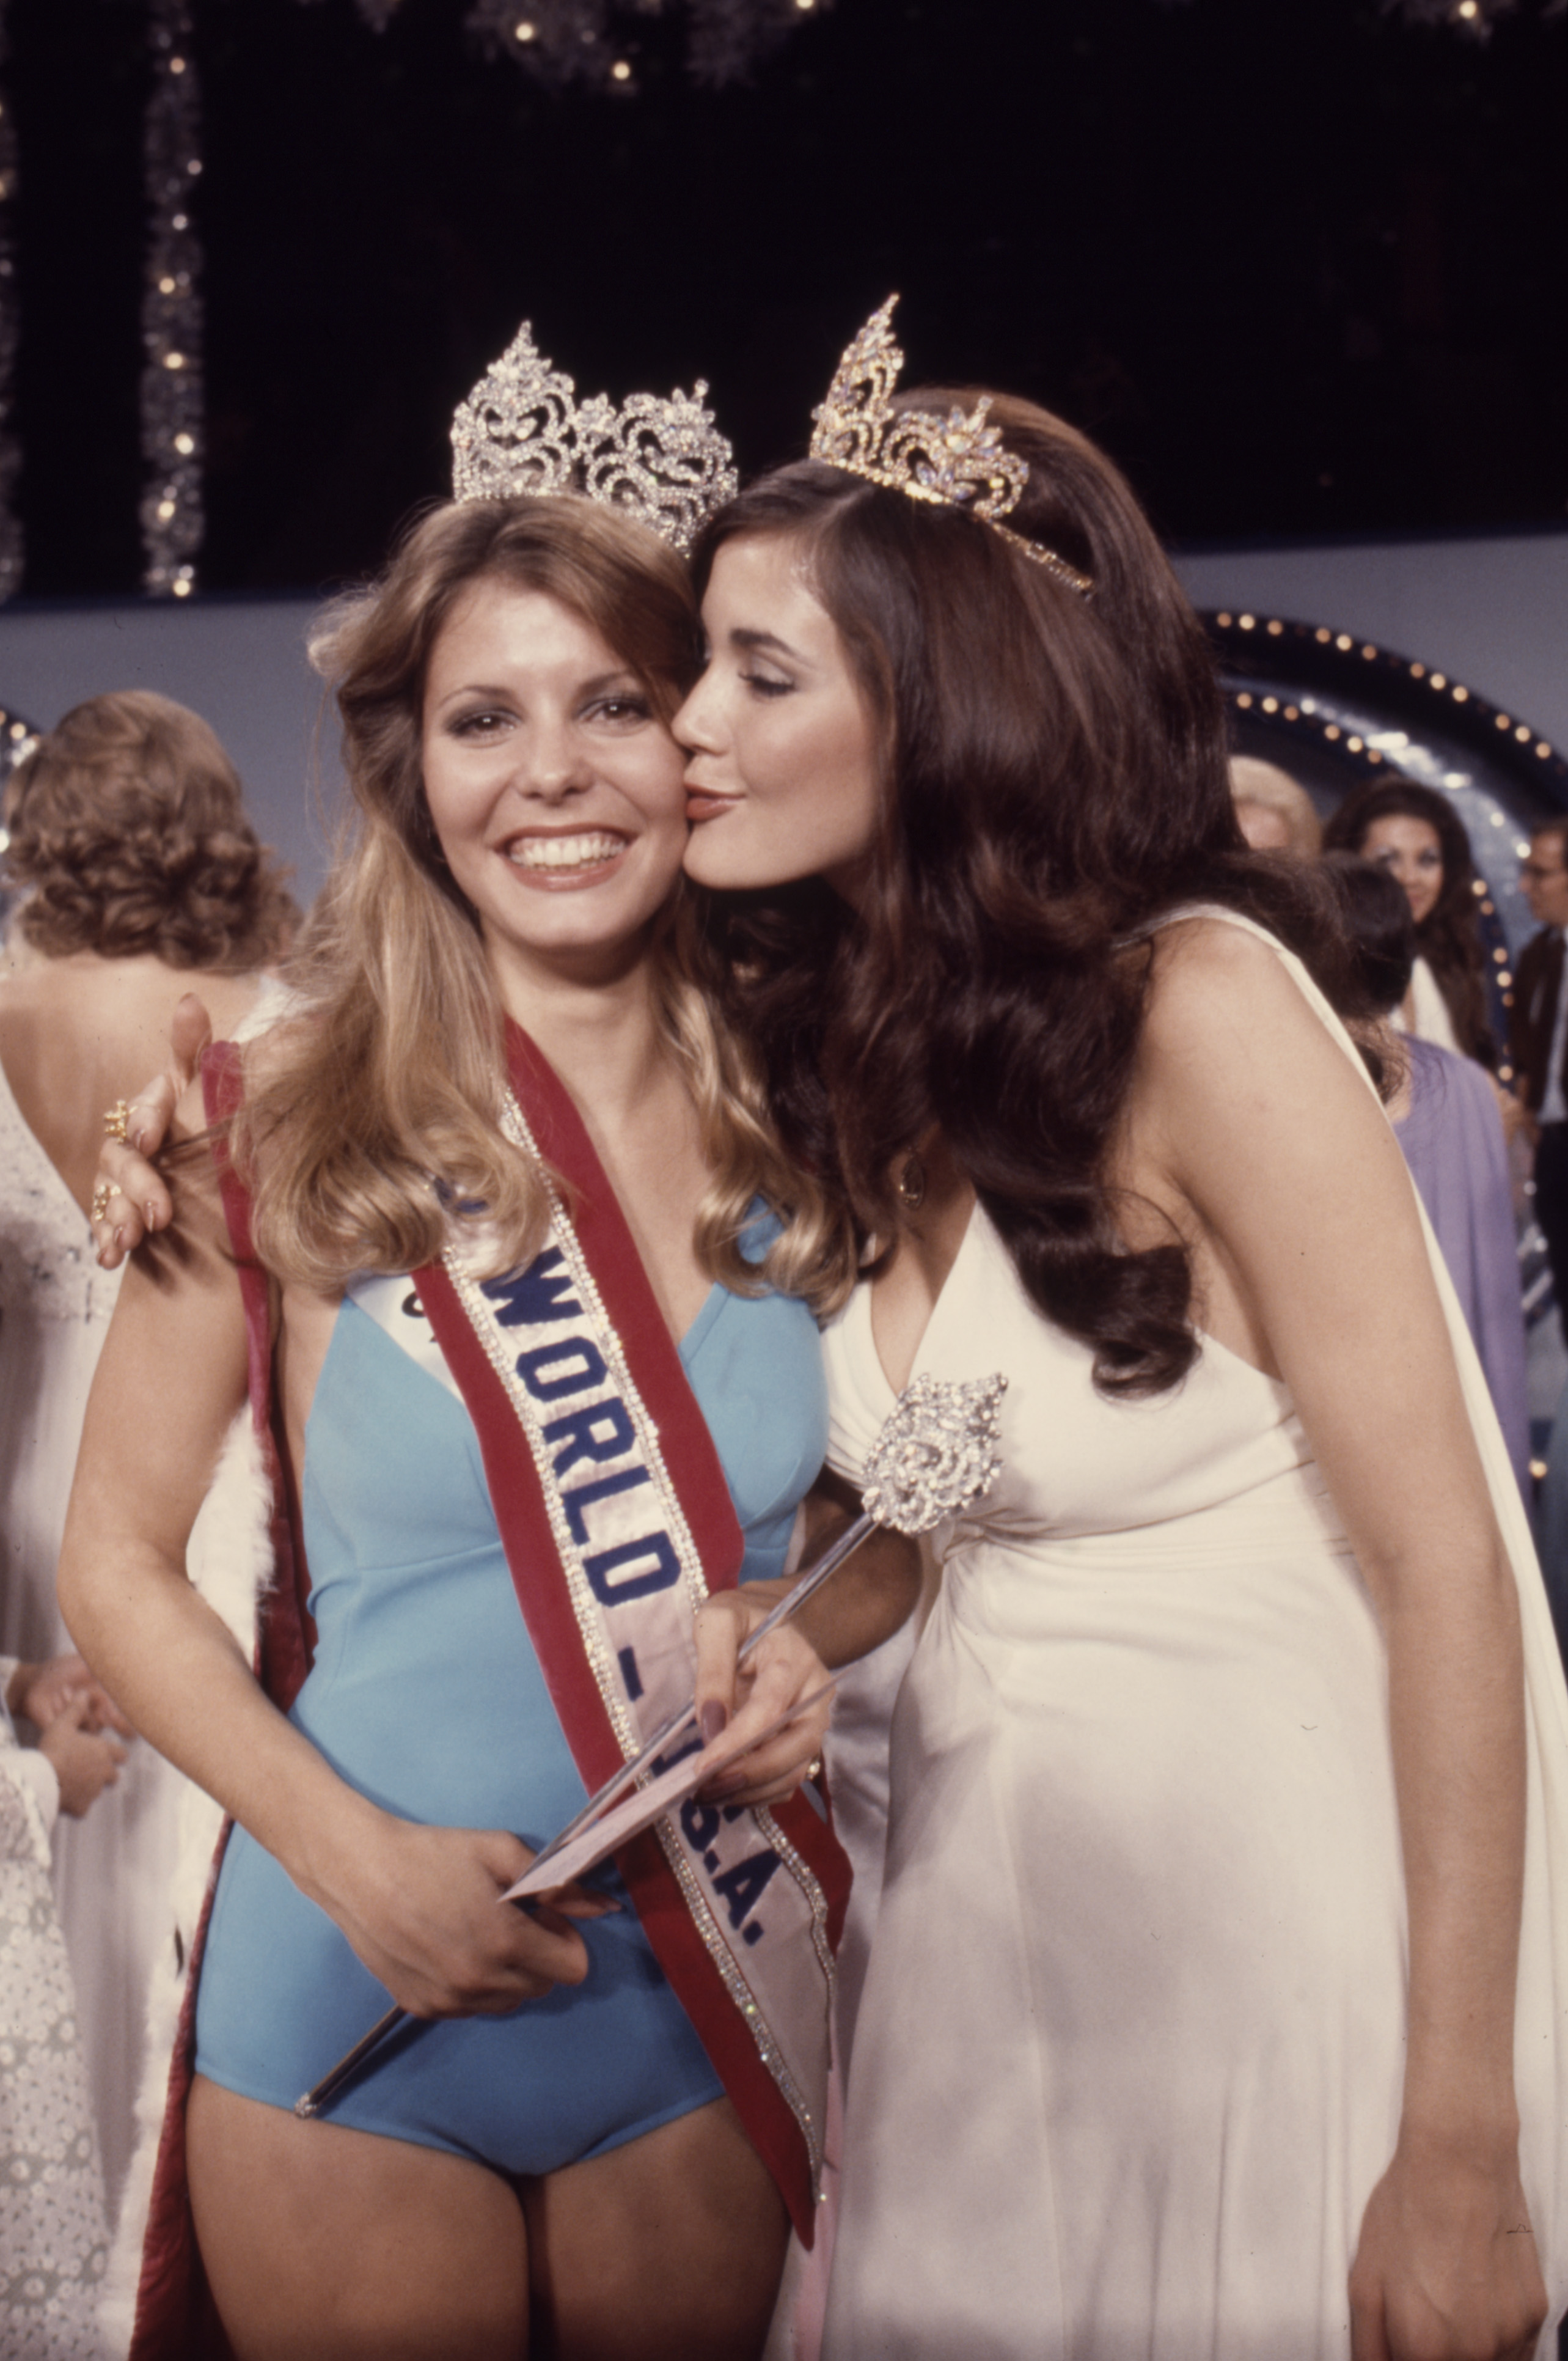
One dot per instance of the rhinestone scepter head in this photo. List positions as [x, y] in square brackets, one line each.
[939, 1450]
[958, 462]
[522, 433]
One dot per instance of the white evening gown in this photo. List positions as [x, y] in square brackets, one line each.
[112, 1870]
[1128, 2062]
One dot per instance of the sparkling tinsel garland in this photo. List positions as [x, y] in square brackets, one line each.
[10, 454]
[171, 387]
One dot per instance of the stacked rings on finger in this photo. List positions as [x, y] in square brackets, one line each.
[117, 1120]
[101, 1196]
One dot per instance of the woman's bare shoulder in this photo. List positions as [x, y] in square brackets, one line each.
[1212, 982]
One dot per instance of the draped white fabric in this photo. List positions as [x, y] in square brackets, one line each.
[1128, 2062]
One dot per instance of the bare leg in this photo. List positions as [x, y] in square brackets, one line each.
[667, 2249]
[323, 2243]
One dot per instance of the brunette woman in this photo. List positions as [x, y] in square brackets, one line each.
[1200, 2018]
[1419, 838]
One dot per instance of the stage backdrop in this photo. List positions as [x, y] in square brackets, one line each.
[1491, 610]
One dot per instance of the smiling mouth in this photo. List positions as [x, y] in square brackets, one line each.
[566, 856]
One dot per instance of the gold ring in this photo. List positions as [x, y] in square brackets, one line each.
[814, 1768]
[101, 1196]
[117, 1120]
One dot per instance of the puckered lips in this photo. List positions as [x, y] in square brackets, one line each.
[707, 803]
[556, 860]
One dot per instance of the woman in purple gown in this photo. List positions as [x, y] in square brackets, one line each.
[1445, 1117]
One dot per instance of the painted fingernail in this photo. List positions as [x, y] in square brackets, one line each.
[727, 1784]
[712, 1720]
[150, 1215]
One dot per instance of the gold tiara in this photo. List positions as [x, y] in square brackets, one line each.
[956, 462]
[522, 431]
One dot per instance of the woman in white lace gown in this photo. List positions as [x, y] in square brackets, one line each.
[142, 880]
[53, 2234]
[1232, 1760]
[53, 2228]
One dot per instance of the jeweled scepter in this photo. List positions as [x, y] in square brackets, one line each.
[938, 1451]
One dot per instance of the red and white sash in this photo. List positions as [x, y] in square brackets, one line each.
[617, 1523]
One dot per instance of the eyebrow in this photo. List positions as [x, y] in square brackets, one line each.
[766, 640]
[595, 688]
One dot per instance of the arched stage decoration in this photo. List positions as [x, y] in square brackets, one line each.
[1333, 708]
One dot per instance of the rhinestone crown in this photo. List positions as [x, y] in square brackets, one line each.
[939, 1450]
[954, 462]
[522, 431]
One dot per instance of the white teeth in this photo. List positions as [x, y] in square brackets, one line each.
[564, 852]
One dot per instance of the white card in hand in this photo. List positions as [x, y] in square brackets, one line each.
[644, 1806]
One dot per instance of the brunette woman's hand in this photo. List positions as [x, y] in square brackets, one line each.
[421, 1908]
[735, 1700]
[1446, 2266]
[138, 1200]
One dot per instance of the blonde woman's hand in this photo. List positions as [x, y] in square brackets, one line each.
[138, 1200]
[1446, 2267]
[735, 1700]
[423, 1910]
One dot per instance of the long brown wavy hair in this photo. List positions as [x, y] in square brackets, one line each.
[392, 1068]
[1055, 781]
[1448, 936]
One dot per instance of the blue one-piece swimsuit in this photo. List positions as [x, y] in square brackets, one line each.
[427, 1697]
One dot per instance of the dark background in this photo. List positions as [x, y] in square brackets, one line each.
[1299, 264]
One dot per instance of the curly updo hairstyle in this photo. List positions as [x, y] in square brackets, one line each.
[128, 830]
[1054, 780]
[1448, 936]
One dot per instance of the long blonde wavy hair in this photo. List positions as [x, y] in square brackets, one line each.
[391, 1072]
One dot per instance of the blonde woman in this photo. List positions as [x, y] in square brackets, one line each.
[1275, 813]
[495, 1066]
